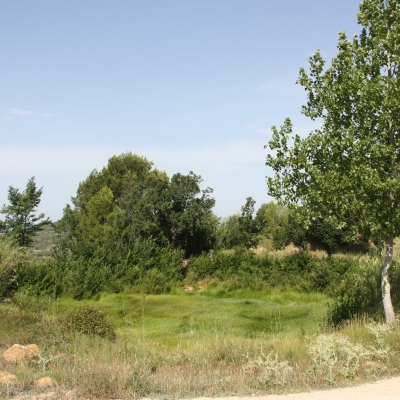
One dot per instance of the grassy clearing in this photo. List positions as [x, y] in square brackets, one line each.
[179, 319]
[208, 343]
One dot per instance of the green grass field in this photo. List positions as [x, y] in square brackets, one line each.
[181, 318]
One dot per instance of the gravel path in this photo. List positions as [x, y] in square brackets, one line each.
[386, 389]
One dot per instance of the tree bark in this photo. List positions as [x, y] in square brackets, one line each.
[385, 284]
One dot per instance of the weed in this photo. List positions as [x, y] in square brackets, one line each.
[269, 370]
[334, 354]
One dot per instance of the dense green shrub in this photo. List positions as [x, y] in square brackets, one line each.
[394, 278]
[153, 282]
[44, 278]
[357, 293]
[242, 266]
[248, 276]
[13, 261]
[90, 321]
[85, 273]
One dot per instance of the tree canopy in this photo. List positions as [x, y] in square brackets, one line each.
[129, 200]
[347, 171]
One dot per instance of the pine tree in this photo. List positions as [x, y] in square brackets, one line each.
[21, 221]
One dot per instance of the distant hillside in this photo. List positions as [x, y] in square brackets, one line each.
[43, 242]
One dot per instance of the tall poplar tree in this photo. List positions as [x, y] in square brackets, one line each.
[347, 172]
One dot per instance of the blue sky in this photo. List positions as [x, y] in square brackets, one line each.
[189, 84]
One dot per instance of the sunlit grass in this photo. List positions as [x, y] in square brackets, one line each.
[173, 319]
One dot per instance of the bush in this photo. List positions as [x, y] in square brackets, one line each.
[241, 268]
[90, 321]
[358, 292]
[335, 356]
[154, 282]
[13, 260]
[86, 273]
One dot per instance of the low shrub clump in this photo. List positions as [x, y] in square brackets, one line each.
[334, 356]
[269, 370]
[90, 321]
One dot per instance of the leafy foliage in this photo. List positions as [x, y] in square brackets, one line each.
[239, 229]
[357, 293]
[247, 224]
[242, 269]
[229, 234]
[174, 213]
[280, 226]
[85, 273]
[129, 201]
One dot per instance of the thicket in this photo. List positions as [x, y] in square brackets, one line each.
[352, 282]
[244, 269]
[145, 267]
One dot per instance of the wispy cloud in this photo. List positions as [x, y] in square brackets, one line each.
[19, 112]
[14, 112]
[257, 129]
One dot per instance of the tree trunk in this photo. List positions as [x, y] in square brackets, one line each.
[385, 285]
